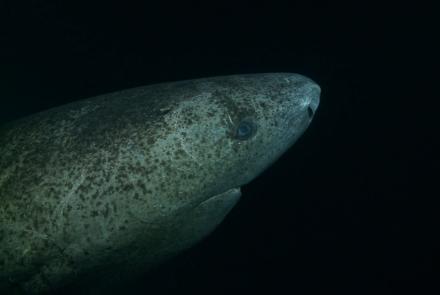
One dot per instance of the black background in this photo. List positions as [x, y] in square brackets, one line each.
[350, 208]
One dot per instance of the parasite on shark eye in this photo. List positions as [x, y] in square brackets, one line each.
[245, 130]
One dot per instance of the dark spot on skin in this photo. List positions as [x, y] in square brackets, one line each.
[150, 141]
[105, 212]
[179, 153]
[95, 195]
[142, 186]
[127, 187]
[114, 207]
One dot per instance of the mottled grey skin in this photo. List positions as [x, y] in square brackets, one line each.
[117, 183]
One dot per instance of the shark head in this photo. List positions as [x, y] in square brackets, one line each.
[233, 127]
[220, 134]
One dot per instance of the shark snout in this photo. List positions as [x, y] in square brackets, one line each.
[313, 94]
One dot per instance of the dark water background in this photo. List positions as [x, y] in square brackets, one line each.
[350, 208]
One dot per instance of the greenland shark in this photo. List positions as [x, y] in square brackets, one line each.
[111, 186]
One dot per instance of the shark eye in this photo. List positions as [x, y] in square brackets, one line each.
[245, 130]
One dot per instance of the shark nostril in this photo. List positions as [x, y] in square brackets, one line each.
[310, 111]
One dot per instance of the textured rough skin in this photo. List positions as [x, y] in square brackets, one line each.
[117, 183]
